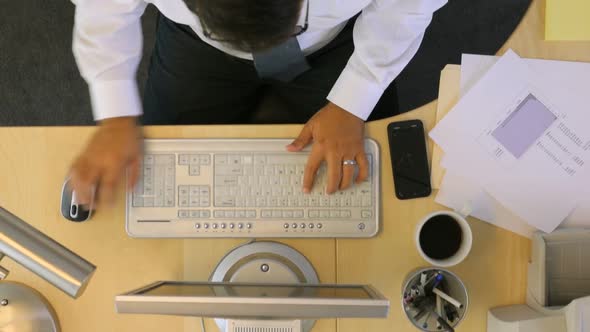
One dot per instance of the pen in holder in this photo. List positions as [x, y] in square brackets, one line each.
[434, 299]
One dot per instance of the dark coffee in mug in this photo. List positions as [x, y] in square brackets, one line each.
[440, 237]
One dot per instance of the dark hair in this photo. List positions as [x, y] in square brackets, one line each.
[248, 25]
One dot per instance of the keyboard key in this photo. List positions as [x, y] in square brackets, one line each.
[194, 170]
[282, 201]
[314, 214]
[269, 170]
[195, 214]
[247, 160]
[334, 214]
[137, 201]
[204, 202]
[148, 201]
[193, 191]
[260, 201]
[266, 213]
[183, 201]
[334, 201]
[277, 214]
[225, 201]
[251, 214]
[259, 159]
[287, 214]
[218, 213]
[183, 159]
[324, 214]
[220, 159]
[240, 201]
[279, 170]
[347, 202]
[290, 169]
[205, 214]
[345, 214]
[229, 214]
[304, 201]
[194, 202]
[148, 159]
[204, 159]
[357, 201]
[204, 190]
[183, 214]
[194, 159]
[169, 201]
[226, 180]
[240, 214]
[228, 170]
[300, 170]
[234, 160]
[365, 214]
[298, 214]
[165, 159]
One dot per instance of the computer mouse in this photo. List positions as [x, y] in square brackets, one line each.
[71, 209]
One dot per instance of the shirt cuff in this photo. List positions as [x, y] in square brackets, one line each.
[355, 93]
[112, 99]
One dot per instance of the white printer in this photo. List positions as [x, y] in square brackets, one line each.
[558, 293]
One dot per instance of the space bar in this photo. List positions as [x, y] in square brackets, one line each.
[286, 159]
[153, 220]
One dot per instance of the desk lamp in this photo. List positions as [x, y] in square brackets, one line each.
[22, 308]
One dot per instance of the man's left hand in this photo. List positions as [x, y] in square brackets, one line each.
[337, 136]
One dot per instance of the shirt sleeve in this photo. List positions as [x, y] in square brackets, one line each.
[107, 46]
[387, 35]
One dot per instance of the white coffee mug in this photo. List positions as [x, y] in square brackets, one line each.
[466, 240]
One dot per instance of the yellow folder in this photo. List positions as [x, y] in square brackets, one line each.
[567, 20]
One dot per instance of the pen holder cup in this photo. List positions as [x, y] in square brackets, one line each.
[417, 309]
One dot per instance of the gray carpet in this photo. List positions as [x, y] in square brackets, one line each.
[40, 84]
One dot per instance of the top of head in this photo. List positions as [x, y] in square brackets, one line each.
[247, 25]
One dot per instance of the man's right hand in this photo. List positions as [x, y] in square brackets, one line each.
[115, 147]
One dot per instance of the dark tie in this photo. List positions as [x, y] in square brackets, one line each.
[283, 62]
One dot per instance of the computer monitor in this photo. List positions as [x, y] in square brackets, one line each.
[254, 301]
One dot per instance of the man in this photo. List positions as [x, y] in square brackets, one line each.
[334, 58]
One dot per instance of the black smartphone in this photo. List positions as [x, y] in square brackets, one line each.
[409, 159]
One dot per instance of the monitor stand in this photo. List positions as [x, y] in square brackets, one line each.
[23, 309]
[265, 262]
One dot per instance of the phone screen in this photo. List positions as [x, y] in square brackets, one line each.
[409, 160]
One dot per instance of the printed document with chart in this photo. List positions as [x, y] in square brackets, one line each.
[523, 138]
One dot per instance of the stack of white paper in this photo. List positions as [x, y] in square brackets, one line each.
[517, 144]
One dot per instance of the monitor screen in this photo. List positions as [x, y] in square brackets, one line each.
[231, 300]
[245, 290]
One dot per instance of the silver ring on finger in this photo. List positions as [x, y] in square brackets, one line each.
[349, 162]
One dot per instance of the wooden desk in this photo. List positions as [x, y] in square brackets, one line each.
[34, 162]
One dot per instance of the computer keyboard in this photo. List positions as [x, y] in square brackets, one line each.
[198, 188]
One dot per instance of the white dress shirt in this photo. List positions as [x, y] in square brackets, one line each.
[108, 46]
